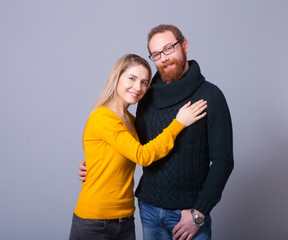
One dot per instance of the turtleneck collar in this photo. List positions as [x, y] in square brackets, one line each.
[165, 95]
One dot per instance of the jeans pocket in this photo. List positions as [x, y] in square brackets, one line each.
[93, 226]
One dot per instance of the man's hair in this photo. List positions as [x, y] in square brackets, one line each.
[163, 28]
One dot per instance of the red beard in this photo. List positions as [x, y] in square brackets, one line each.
[176, 71]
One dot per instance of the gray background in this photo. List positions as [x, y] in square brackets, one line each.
[54, 59]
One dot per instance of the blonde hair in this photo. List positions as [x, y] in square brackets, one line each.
[121, 66]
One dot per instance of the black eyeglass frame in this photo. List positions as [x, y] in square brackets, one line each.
[172, 45]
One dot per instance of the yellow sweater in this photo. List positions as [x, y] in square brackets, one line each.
[111, 151]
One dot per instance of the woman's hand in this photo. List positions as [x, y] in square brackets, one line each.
[189, 114]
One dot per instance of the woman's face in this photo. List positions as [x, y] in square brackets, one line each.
[132, 84]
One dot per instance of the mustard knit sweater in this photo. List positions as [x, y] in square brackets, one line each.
[111, 151]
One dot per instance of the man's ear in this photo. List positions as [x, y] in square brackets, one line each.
[185, 45]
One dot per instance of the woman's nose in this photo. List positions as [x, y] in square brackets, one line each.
[136, 85]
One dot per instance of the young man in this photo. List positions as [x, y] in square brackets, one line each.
[177, 194]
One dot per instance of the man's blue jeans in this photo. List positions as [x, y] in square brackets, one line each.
[158, 223]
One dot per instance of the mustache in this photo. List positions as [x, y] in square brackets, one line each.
[166, 64]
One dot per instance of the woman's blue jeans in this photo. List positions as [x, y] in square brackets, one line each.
[158, 223]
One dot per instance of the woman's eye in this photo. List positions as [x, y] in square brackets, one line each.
[144, 83]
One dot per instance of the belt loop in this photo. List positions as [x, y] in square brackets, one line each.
[124, 219]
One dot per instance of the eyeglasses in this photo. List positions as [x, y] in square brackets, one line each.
[166, 51]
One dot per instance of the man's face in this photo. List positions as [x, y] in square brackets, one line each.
[173, 66]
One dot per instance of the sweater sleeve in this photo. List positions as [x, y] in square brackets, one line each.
[112, 130]
[220, 152]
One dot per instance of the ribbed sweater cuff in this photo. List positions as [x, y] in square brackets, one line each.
[204, 206]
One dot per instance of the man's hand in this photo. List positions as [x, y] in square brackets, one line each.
[82, 171]
[186, 229]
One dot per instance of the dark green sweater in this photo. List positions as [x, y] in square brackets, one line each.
[194, 173]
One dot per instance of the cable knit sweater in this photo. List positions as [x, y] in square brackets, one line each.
[194, 173]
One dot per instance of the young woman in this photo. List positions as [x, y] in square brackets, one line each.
[106, 203]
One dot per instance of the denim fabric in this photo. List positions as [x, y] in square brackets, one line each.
[92, 229]
[158, 223]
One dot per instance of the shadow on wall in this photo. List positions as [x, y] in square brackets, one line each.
[257, 208]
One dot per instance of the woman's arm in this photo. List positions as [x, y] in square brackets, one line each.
[110, 128]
